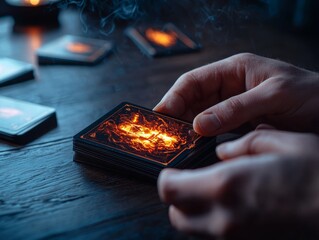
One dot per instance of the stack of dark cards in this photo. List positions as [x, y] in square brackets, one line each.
[22, 122]
[157, 41]
[142, 141]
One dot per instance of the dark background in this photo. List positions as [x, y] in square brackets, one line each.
[43, 193]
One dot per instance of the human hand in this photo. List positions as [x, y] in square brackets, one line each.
[245, 88]
[270, 141]
[270, 182]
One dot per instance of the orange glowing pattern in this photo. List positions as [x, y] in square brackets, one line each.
[77, 47]
[144, 134]
[161, 38]
[148, 136]
[9, 112]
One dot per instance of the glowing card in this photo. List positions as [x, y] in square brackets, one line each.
[133, 137]
[74, 50]
[144, 133]
[163, 40]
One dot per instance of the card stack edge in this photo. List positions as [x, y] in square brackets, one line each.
[34, 131]
[205, 155]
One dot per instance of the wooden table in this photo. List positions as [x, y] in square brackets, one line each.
[43, 193]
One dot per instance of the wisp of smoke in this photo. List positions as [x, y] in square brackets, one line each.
[203, 13]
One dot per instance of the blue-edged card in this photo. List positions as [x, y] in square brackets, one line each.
[13, 71]
[22, 122]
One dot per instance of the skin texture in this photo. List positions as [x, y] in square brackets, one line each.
[267, 180]
[245, 88]
[265, 183]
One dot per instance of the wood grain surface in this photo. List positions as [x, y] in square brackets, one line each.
[43, 193]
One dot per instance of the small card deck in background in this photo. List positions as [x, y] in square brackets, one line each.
[22, 122]
[164, 40]
[74, 50]
[13, 71]
[136, 139]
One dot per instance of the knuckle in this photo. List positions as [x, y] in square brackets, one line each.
[253, 140]
[188, 76]
[275, 90]
[280, 89]
[225, 181]
[234, 106]
[283, 68]
[245, 57]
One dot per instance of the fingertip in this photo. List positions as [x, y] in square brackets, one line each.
[158, 107]
[180, 221]
[227, 150]
[207, 124]
[221, 151]
[172, 105]
[172, 211]
[165, 185]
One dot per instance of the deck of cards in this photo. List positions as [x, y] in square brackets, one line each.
[74, 50]
[13, 71]
[21, 122]
[157, 41]
[142, 141]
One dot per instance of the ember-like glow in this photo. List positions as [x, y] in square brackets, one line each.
[147, 137]
[33, 2]
[35, 36]
[145, 134]
[154, 136]
[161, 38]
[9, 112]
[77, 47]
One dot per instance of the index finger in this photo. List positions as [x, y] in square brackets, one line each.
[267, 142]
[223, 182]
[180, 187]
[203, 87]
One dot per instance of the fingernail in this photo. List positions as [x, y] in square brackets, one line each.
[209, 123]
[165, 105]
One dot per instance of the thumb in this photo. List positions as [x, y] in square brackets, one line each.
[233, 112]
